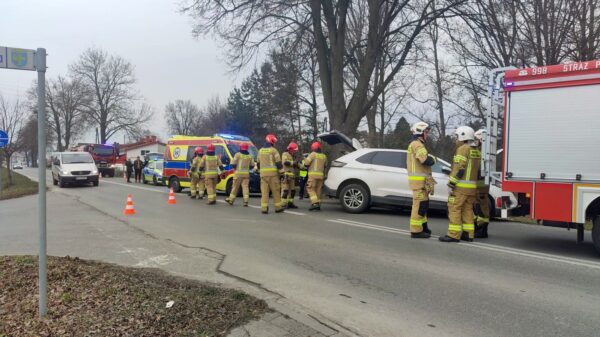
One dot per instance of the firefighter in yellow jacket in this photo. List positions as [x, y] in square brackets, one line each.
[316, 163]
[242, 163]
[420, 180]
[482, 206]
[269, 166]
[196, 175]
[211, 164]
[462, 187]
[288, 180]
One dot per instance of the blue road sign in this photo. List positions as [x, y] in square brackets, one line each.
[3, 139]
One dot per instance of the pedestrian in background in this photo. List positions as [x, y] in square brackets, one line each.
[303, 174]
[129, 169]
[138, 165]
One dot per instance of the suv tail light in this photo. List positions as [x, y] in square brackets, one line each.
[337, 163]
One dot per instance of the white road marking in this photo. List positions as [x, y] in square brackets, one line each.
[484, 246]
[104, 181]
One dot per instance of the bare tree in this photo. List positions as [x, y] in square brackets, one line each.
[214, 116]
[586, 34]
[12, 121]
[67, 100]
[247, 25]
[183, 117]
[113, 106]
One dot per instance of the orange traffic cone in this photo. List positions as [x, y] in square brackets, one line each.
[171, 197]
[129, 210]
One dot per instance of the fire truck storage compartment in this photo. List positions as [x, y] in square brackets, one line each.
[553, 134]
[553, 201]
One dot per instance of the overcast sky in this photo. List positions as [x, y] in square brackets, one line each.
[169, 62]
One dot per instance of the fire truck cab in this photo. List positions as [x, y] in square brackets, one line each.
[551, 142]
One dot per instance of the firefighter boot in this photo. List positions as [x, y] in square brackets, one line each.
[447, 238]
[229, 201]
[315, 207]
[426, 228]
[465, 237]
[420, 235]
[290, 203]
[245, 204]
[265, 210]
[481, 231]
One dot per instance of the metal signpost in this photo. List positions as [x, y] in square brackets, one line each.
[29, 59]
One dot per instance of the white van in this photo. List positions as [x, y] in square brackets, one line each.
[74, 168]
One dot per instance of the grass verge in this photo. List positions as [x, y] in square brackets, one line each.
[88, 298]
[21, 186]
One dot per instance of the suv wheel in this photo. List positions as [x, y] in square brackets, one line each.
[61, 183]
[54, 181]
[355, 198]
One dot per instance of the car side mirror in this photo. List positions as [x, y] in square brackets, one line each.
[57, 162]
[446, 170]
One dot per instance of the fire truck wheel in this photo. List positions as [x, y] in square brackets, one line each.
[596, 233]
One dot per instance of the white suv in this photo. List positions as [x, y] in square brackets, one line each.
[378, 177]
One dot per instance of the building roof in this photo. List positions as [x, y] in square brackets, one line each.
[146, 141]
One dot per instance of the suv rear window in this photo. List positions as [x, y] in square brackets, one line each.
[389, 158]
[366, 158]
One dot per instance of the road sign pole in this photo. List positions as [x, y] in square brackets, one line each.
[40, 64]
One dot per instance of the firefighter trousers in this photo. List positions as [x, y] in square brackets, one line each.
[211, 193]
[482, 207]
[288, 189]
[270, 184]
[235, 187]
[197, 185]
[460, 213]
[314, 187]
[418, 214]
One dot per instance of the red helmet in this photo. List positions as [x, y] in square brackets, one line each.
[244, 147]
[210, 148]
[271, 139]
[199, 150]
[292, 147]
[315, 146]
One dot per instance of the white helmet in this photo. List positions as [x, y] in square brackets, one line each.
[418, 128]
[479, 134]
[465, 133]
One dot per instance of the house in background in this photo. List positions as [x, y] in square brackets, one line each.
[148, 144]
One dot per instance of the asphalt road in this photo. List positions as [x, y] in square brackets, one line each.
[366, 273]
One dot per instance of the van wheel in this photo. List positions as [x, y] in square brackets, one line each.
[61, 183]
[95, 183]
[154, 181]
[54, 181]
[596, 233]
[355, 198]
[175, 185]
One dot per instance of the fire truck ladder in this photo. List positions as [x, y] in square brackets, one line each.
[493, 127]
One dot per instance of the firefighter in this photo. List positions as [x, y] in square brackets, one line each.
[420, 180]
[211, 164]
[288, 179]
[242, 163]
[482, 206]
[303, 175]
[315, 163]
[462, 187]
[197, 183]
[269, 165]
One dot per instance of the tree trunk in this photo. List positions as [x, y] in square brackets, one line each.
[438, 81]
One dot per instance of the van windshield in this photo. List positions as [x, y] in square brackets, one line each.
[235, 148]
[77, 158]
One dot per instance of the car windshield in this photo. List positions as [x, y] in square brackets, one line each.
[439, 166]
[159, 165]
[103, 150]
[77, 158]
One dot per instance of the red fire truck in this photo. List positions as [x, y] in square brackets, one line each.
[550, 136]
[105, 156]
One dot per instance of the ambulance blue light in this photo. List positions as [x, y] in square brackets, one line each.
[232, 137]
